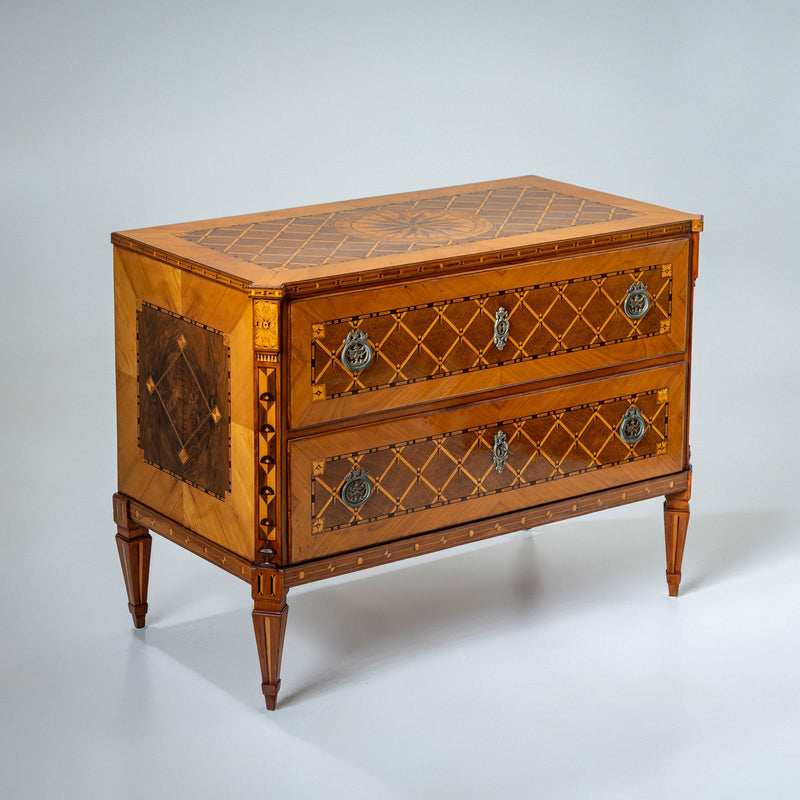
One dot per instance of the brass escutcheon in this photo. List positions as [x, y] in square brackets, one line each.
[500, 451]
[501, 327]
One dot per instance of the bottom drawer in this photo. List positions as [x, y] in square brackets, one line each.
[382, 482]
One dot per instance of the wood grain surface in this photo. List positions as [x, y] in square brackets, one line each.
[456, 535]
[434, 470]
[227, 519]
[309, 392]
[369, 237]
[434, 339]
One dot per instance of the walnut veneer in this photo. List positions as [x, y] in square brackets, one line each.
[305, 393]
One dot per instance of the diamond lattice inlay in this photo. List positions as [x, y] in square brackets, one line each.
[184, 399]
[458, 466]
[335, 236]
[431, 340]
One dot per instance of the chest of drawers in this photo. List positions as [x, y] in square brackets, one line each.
[314, 391]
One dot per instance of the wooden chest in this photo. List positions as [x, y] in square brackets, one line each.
[309, 392]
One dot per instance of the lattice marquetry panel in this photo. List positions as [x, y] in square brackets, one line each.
[335, 236]
[457, 466]
[184, 398]
[431, 340]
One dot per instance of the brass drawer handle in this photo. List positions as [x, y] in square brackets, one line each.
[500, 451]
[501, 327]
[637, 301]
[357, 352]
[357, 488]
[633, 426]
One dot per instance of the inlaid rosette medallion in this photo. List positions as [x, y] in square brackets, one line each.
[417, 225]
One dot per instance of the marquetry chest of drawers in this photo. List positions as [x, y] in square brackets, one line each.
[309, 392]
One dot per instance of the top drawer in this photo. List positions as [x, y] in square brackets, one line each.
[369, 350]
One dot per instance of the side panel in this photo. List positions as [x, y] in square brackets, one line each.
[185, 405]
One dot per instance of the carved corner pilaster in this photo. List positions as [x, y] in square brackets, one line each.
[266, 324]
[268, 468]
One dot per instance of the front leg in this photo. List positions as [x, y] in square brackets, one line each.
[269, 621]
[676, 521]
[133, 544]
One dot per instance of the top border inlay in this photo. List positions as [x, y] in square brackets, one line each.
[320, 239]
[335, 246]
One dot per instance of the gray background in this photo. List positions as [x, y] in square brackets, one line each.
[549, 665]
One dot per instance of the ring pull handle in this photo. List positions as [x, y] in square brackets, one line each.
[357, 488]
[637, 301]
[500, 451]
[501, 327]
[633, 426]
[357, 352]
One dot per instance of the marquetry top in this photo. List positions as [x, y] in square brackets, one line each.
[361, 241]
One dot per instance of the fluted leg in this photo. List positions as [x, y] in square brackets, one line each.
[133, 544]
[676, 521]
[269, 621]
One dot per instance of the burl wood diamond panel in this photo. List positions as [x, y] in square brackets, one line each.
[334, 236]
[453, 467]
[431, 340]
[184, 398]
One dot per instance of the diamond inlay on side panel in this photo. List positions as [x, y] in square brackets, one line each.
[337, 236]
[184, 399]
[453, 467]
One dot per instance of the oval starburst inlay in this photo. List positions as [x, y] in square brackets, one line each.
[412, 225]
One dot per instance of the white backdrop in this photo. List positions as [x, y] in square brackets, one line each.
[548, 666]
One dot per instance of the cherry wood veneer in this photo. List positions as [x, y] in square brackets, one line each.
[314, 391]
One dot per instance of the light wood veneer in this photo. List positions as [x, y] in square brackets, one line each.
[529, 351]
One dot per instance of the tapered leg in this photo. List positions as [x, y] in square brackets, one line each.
[676, 521]
[269, 621]
[133, 544]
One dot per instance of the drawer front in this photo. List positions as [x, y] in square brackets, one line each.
[386, 481]
[391, 347]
